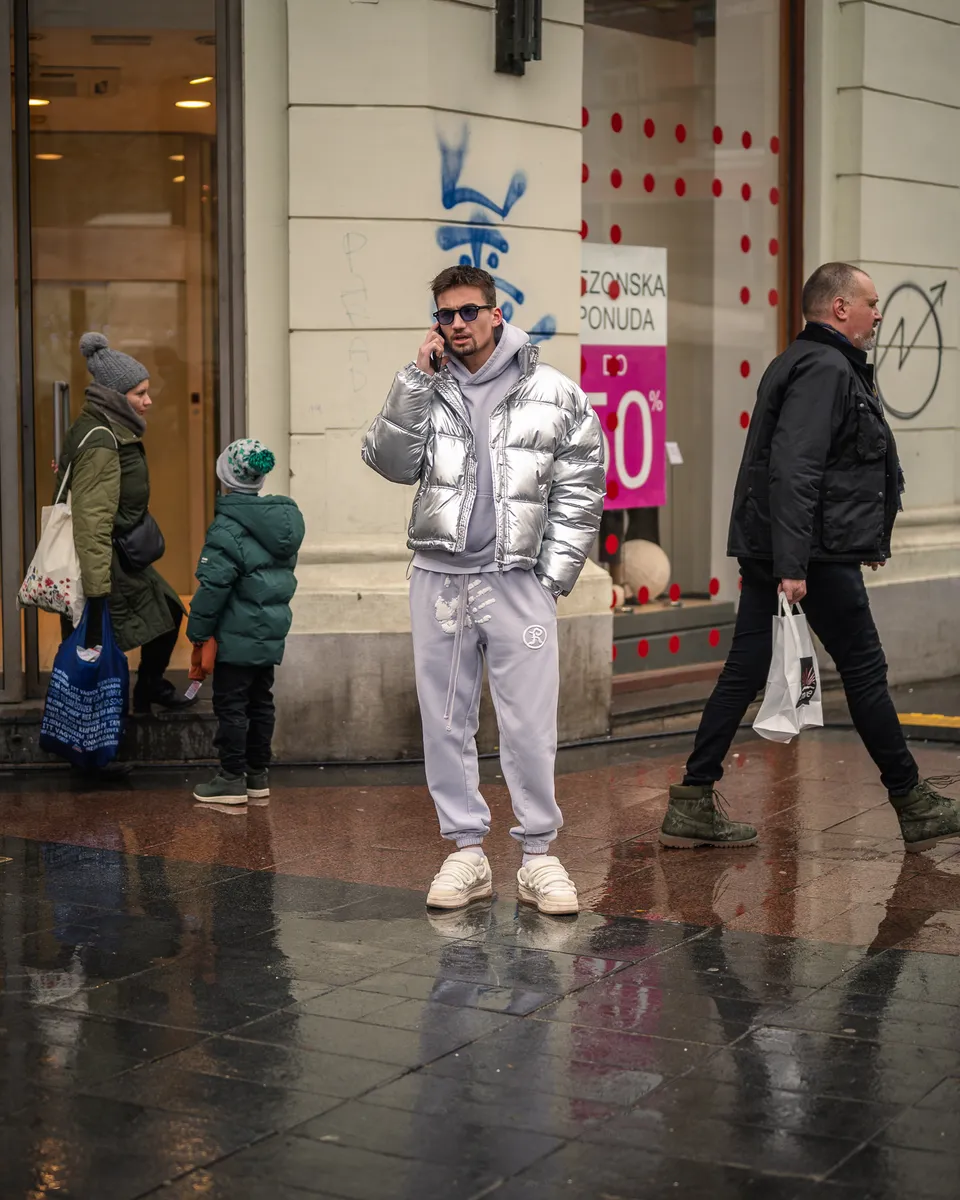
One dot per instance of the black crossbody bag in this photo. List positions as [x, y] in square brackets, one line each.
[140, 546]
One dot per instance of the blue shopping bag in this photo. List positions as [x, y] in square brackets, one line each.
[86, 703]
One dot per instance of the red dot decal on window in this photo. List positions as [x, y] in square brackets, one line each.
[714, 637]
[747, 139]
[643, 596]
[615, 233]
[648, 183]
[774, 195]
[614, 654]
[772, 297]
[584, 173]
[613, 365]
[717, 188]
[745, 295]
[774, 246]
[714, 587]
[746, 191]
[680, 187]
[613, 291]
[612, 544]
[744, 420]
[681, 132]
[745, 244]
[584, 117]
[616, 122]
[649, 129]
[612, 423]
[583, 286]
[583, 365]
[745, 369]
[613, 598]
[643, 647]
[717, 135]
[613, 489]
[583, 229]
[775, 144]
[616, 179]
[674, 644]
[674, 592]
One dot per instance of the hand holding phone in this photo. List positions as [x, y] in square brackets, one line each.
[430, 356]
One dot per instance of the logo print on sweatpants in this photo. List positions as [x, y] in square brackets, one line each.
[808, 681]
[534, 636]
[447, 608]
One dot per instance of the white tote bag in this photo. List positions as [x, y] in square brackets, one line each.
[792, 700]
[53, 581]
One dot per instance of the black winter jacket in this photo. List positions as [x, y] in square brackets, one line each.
[820, 478]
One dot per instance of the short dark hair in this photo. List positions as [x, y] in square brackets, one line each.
[465, 276]
[828, 281]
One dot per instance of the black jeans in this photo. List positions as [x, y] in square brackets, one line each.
[155, 655]
[243, 704]
[838, 611]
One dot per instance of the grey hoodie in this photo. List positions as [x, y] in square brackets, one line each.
[482, 393]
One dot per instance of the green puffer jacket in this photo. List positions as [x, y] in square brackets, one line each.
[247, 580]
[110, 493]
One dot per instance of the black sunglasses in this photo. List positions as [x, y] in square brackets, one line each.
[469, 312]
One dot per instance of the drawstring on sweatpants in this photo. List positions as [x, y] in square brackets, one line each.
[464, 581]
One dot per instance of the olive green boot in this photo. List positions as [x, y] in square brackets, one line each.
[925, 816]
[695, 817]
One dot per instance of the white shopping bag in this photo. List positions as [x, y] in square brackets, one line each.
[53, 580]
[792, 700]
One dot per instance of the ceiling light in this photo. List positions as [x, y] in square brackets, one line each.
[179, 178]
[36, 103]
[177, 157]
[202, 79]
[49, 157]
[187, 103]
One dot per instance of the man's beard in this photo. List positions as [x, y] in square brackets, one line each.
[868, 341]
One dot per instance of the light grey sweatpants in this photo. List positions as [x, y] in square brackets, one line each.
[510, 620]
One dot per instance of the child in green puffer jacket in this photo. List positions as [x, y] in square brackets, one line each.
[247, 580]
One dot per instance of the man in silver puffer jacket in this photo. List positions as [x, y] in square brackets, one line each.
[508, 456]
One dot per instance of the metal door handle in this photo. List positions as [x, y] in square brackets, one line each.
[61, 415]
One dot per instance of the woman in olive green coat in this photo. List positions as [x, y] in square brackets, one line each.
[110, 497]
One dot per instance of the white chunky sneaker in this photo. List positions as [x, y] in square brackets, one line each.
[463, 878]
[545, 883]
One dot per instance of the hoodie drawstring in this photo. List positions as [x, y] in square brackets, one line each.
[462, 597]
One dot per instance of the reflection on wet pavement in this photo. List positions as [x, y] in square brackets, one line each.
[256, 1004]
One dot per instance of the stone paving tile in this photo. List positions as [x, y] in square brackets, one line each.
[778, 1022]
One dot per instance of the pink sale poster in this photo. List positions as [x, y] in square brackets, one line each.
[623, 365]
[627, 386]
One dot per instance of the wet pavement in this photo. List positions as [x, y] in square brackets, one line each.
[254, 1003]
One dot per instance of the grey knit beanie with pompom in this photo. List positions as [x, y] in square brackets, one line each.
[111, 368]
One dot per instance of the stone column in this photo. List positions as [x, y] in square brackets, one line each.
[400, 134]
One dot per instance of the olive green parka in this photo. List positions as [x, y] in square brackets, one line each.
[110, 494]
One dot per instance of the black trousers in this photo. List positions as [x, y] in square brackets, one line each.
[838, 611]
[246, 716]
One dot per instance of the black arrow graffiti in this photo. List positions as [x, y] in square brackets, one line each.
[904, 353]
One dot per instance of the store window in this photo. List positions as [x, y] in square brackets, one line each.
[682, 152]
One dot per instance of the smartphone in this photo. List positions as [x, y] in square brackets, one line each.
[436, 358]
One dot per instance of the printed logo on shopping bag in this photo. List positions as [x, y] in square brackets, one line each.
[808, 681]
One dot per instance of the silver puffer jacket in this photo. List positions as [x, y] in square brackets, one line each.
[546, 450]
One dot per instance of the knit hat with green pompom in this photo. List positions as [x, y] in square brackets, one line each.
[244, 465]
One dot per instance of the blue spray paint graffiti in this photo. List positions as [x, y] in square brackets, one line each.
[481, 236]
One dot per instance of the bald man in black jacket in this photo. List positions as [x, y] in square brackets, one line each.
[816, 498]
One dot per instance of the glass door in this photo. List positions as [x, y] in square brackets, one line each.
[122, 163]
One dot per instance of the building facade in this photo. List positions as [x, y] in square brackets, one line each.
[251, 196]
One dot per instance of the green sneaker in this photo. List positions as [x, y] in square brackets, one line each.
[258, 785]
[695, 817]
[925, 816]
[222, 789]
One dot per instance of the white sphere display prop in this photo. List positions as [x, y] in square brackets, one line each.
[645, 565]
[618, 596]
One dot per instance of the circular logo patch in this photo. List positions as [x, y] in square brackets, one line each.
[534, 636]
